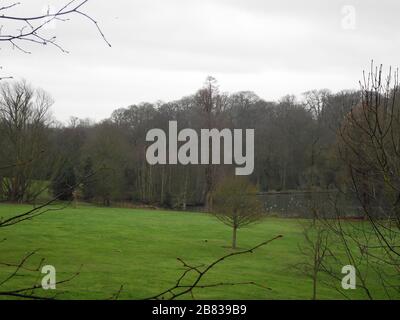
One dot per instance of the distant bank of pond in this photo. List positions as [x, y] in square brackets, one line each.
[302, 203]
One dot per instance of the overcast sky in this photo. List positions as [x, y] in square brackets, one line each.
[164, 49]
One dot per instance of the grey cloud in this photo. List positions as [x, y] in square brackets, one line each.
[163, 49]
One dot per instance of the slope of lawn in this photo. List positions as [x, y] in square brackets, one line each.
[138, 249]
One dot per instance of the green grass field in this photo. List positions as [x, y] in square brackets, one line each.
[138, 249]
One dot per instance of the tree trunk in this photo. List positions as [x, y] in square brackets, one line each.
[162, 185]
[315, 268]
[209, 188]
[234, 237]
[314, 297]
[184, 198]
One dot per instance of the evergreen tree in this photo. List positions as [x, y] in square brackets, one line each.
[62, 185]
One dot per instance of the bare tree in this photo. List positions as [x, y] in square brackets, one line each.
[20, 115]
[316, 250]
[23, 122]
[236, 204]
[315, 102]
[369, 148]
[209, 101]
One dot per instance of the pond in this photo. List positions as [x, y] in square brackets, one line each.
[302, 204]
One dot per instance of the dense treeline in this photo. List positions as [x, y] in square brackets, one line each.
[295, 146]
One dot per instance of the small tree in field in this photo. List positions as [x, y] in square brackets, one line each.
[235, 204]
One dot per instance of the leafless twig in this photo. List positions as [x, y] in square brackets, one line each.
[31, 28]
[179, 289]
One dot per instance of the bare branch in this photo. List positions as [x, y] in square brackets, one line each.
[178, 290]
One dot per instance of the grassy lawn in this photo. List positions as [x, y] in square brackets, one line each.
[138, 249]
